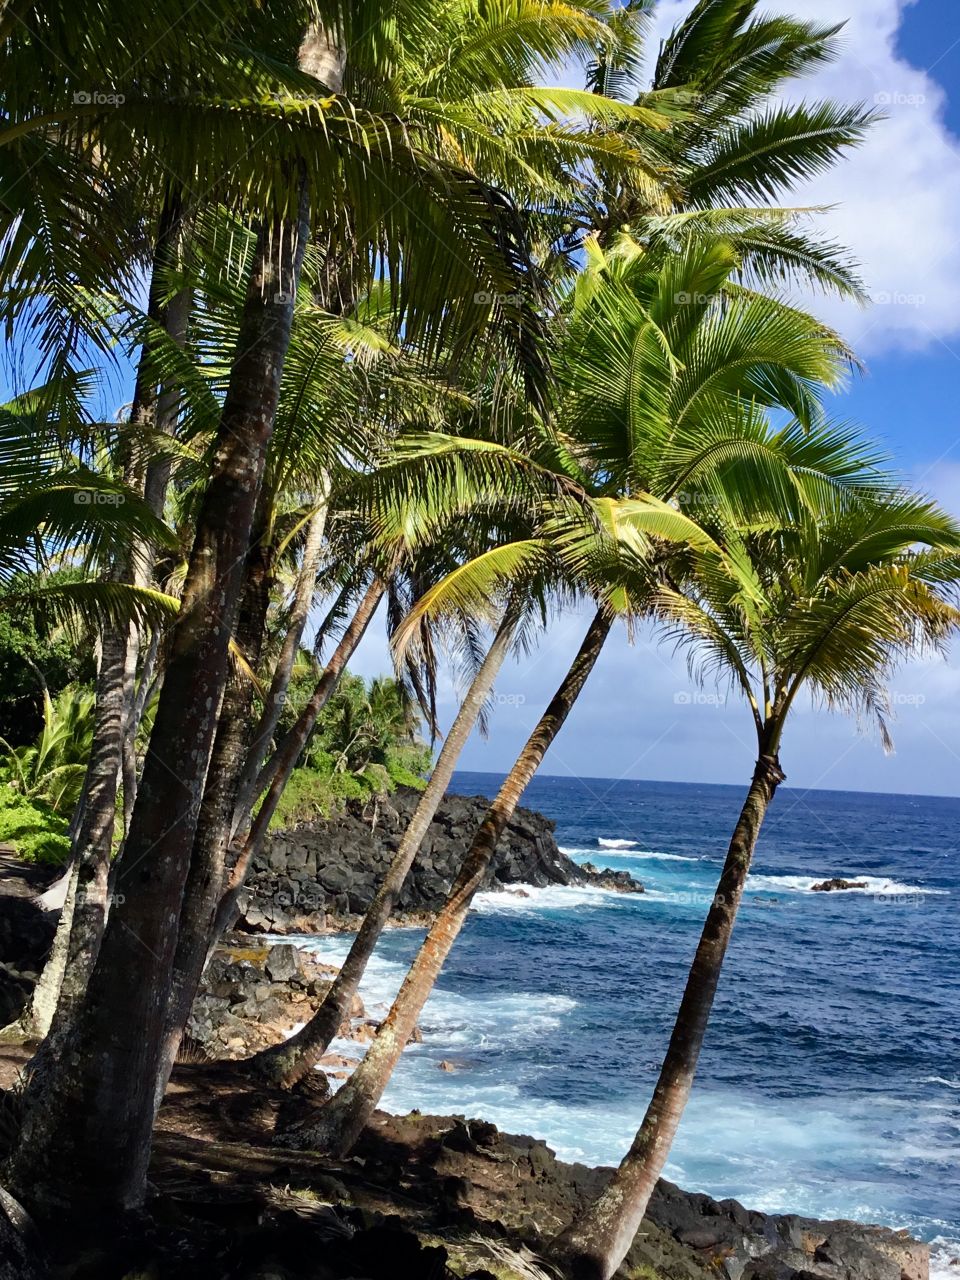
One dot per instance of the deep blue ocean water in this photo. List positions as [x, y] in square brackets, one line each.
[830, 1080]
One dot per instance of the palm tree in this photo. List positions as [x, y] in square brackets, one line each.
[839, 599]
[676, 430]
[736, 149]
[51, 768]
[343, 1118]
[337, 156]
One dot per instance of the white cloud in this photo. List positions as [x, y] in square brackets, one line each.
[897, 198]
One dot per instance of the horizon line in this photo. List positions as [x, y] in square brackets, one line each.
[678, 782]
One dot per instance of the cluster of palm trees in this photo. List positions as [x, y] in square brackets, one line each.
[409, 332]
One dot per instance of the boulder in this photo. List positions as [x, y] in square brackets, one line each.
[26, 932]
[283, 963]
[828, 886]
[324, 874]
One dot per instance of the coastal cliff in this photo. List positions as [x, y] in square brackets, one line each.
[322, 875]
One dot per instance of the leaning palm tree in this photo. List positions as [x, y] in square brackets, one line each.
[681, 430]
[676, 432]
[837, 602]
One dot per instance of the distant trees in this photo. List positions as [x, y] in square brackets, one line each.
[365, 743]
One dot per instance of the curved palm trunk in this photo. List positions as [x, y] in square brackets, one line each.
[83, 918]
[35, 1020]
[303, 597]
[247, 843]
[342, 1120]
[87, 1128]
[279, 761]
[288, 1062]
[595, 1244]
[85, 923]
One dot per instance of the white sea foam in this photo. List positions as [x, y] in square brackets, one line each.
[766, 1153]
[950, 1084]
[641, 855]
[944, 1258]
[616, 844]
[529, 897]
[876, 886]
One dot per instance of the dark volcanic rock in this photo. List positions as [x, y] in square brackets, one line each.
[518, 1182]
[322, 874]
[253, 995]
[828, 886]
[26, 929]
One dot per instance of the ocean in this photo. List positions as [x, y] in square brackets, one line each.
[829, 1084]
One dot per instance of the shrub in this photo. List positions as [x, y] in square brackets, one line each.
[36, 833]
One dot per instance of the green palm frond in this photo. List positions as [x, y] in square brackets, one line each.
[105, 603]
[759, 158]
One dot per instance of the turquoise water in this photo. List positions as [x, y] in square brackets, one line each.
[830, 1081]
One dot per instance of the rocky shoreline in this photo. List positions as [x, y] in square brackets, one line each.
[467, 1170]
[452, 1194]
[321, 877]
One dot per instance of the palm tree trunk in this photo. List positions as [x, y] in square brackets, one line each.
[35, 1020]
[85, 923]
[595, 1244]
[84, 920]
[343, 1118]
[87, 1129]
[288, 1062]
[303, 598]
[128, 755]
[248, 842]
[208, 860]
[176, 320]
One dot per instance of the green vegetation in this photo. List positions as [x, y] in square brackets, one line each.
[364, 746]
[51, 769]
[416, 338]
[34, 657]
[35, 832]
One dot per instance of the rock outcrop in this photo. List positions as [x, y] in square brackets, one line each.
[26, 932]
[252, 996]
[518, 1183]
[829, 886]
[323, 875]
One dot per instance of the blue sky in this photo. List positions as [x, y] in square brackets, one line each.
[896, 204]
[898, 207]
